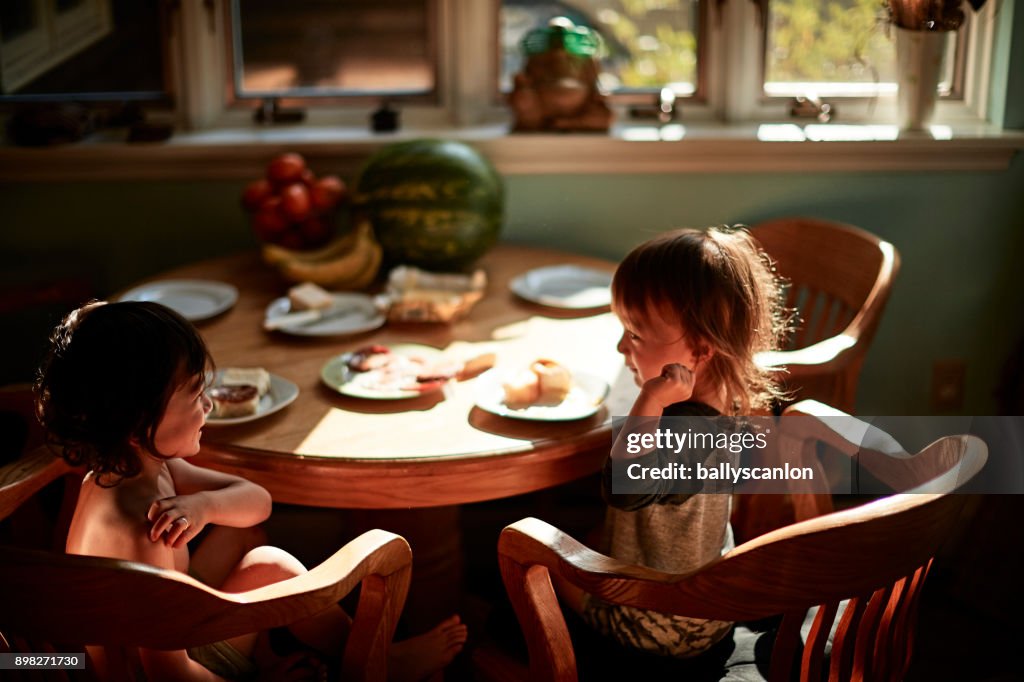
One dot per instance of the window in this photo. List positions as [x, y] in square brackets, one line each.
[334, 49]
[837, 49]
[450, 62]
[646, 45]
[66, 50]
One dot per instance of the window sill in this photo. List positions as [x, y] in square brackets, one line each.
[242, 153]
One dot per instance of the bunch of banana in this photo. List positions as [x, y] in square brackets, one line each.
[348, 263]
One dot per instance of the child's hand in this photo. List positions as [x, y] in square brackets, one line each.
[673, 385]
[178, 519]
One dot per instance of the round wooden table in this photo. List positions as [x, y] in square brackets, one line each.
[330, 450]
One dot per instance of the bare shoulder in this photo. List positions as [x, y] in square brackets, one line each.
[111, 522]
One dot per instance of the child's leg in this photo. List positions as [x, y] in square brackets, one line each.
[221, 550]
[411, 659]
[326, 631]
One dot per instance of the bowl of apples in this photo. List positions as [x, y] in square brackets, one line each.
[294, 214]
[292, 207]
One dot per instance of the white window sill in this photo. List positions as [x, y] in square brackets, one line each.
[241, 153]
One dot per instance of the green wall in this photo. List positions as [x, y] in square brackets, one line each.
[961, 237]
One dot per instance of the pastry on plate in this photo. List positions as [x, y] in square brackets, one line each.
[230, 402]
[521, 389]
[544, 382]
[241, 376]
[554, 382]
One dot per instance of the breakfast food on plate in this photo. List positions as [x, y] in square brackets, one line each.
[379, 369]
[369, 357]
[554, 379]
[242, 376]
[545, 382]
[476, 366]
[522, 389]
[309, 296]
[234, 401]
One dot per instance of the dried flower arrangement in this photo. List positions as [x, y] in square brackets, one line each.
[929, 15]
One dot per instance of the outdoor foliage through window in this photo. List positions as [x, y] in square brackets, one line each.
[831, 47]
[647, 44]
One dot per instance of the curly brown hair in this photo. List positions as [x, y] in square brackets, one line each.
[724, 293]
[105, 382]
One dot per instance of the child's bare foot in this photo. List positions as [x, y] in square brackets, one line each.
[418, 657]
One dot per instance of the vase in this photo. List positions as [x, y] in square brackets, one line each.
[919, 57]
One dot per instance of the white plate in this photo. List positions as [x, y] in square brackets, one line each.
[339, 376]
[357, 313]
[195, 299]
[280, 394]
[565, 286]
[585, 397]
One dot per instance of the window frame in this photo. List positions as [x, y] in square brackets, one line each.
[468, 94]
[55, 38]
[967, 100]
[436, 37]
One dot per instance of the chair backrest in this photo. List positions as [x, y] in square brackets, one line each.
[55, 602]
[840, 278]
[875, 556]
[19, 429]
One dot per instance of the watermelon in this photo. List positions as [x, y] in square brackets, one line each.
[435, 204]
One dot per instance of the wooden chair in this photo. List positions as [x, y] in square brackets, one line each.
[59, 603]
[876, 556]
[840, 278]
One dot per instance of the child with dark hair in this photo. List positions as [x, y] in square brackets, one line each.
[696, 306]
[121, 393]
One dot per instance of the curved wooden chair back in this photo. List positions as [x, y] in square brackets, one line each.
[19, 429]
[54, 602]
[876, 556]
[840, 278]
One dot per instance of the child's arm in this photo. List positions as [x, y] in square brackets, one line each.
[673, 385]
[161, 665]
[205, 496]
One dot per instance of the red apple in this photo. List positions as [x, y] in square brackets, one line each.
[255, 193]
[315, 231]
[267, 222]
[292, 239]
[308, 178]
[295, 203]
[286, 169]
[326, 193]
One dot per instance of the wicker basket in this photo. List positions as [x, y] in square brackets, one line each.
[420, 296]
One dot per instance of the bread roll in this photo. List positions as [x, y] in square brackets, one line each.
[522, 389]
[554, 380]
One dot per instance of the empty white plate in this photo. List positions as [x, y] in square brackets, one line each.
[565, 286]
[194, 299]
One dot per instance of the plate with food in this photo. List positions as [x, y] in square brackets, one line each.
[542, 391]
[308, 310]
[565, 286]
[243, 394]
[194, 299]
[379, 372]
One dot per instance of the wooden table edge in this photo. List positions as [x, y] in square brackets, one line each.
[412, 482]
